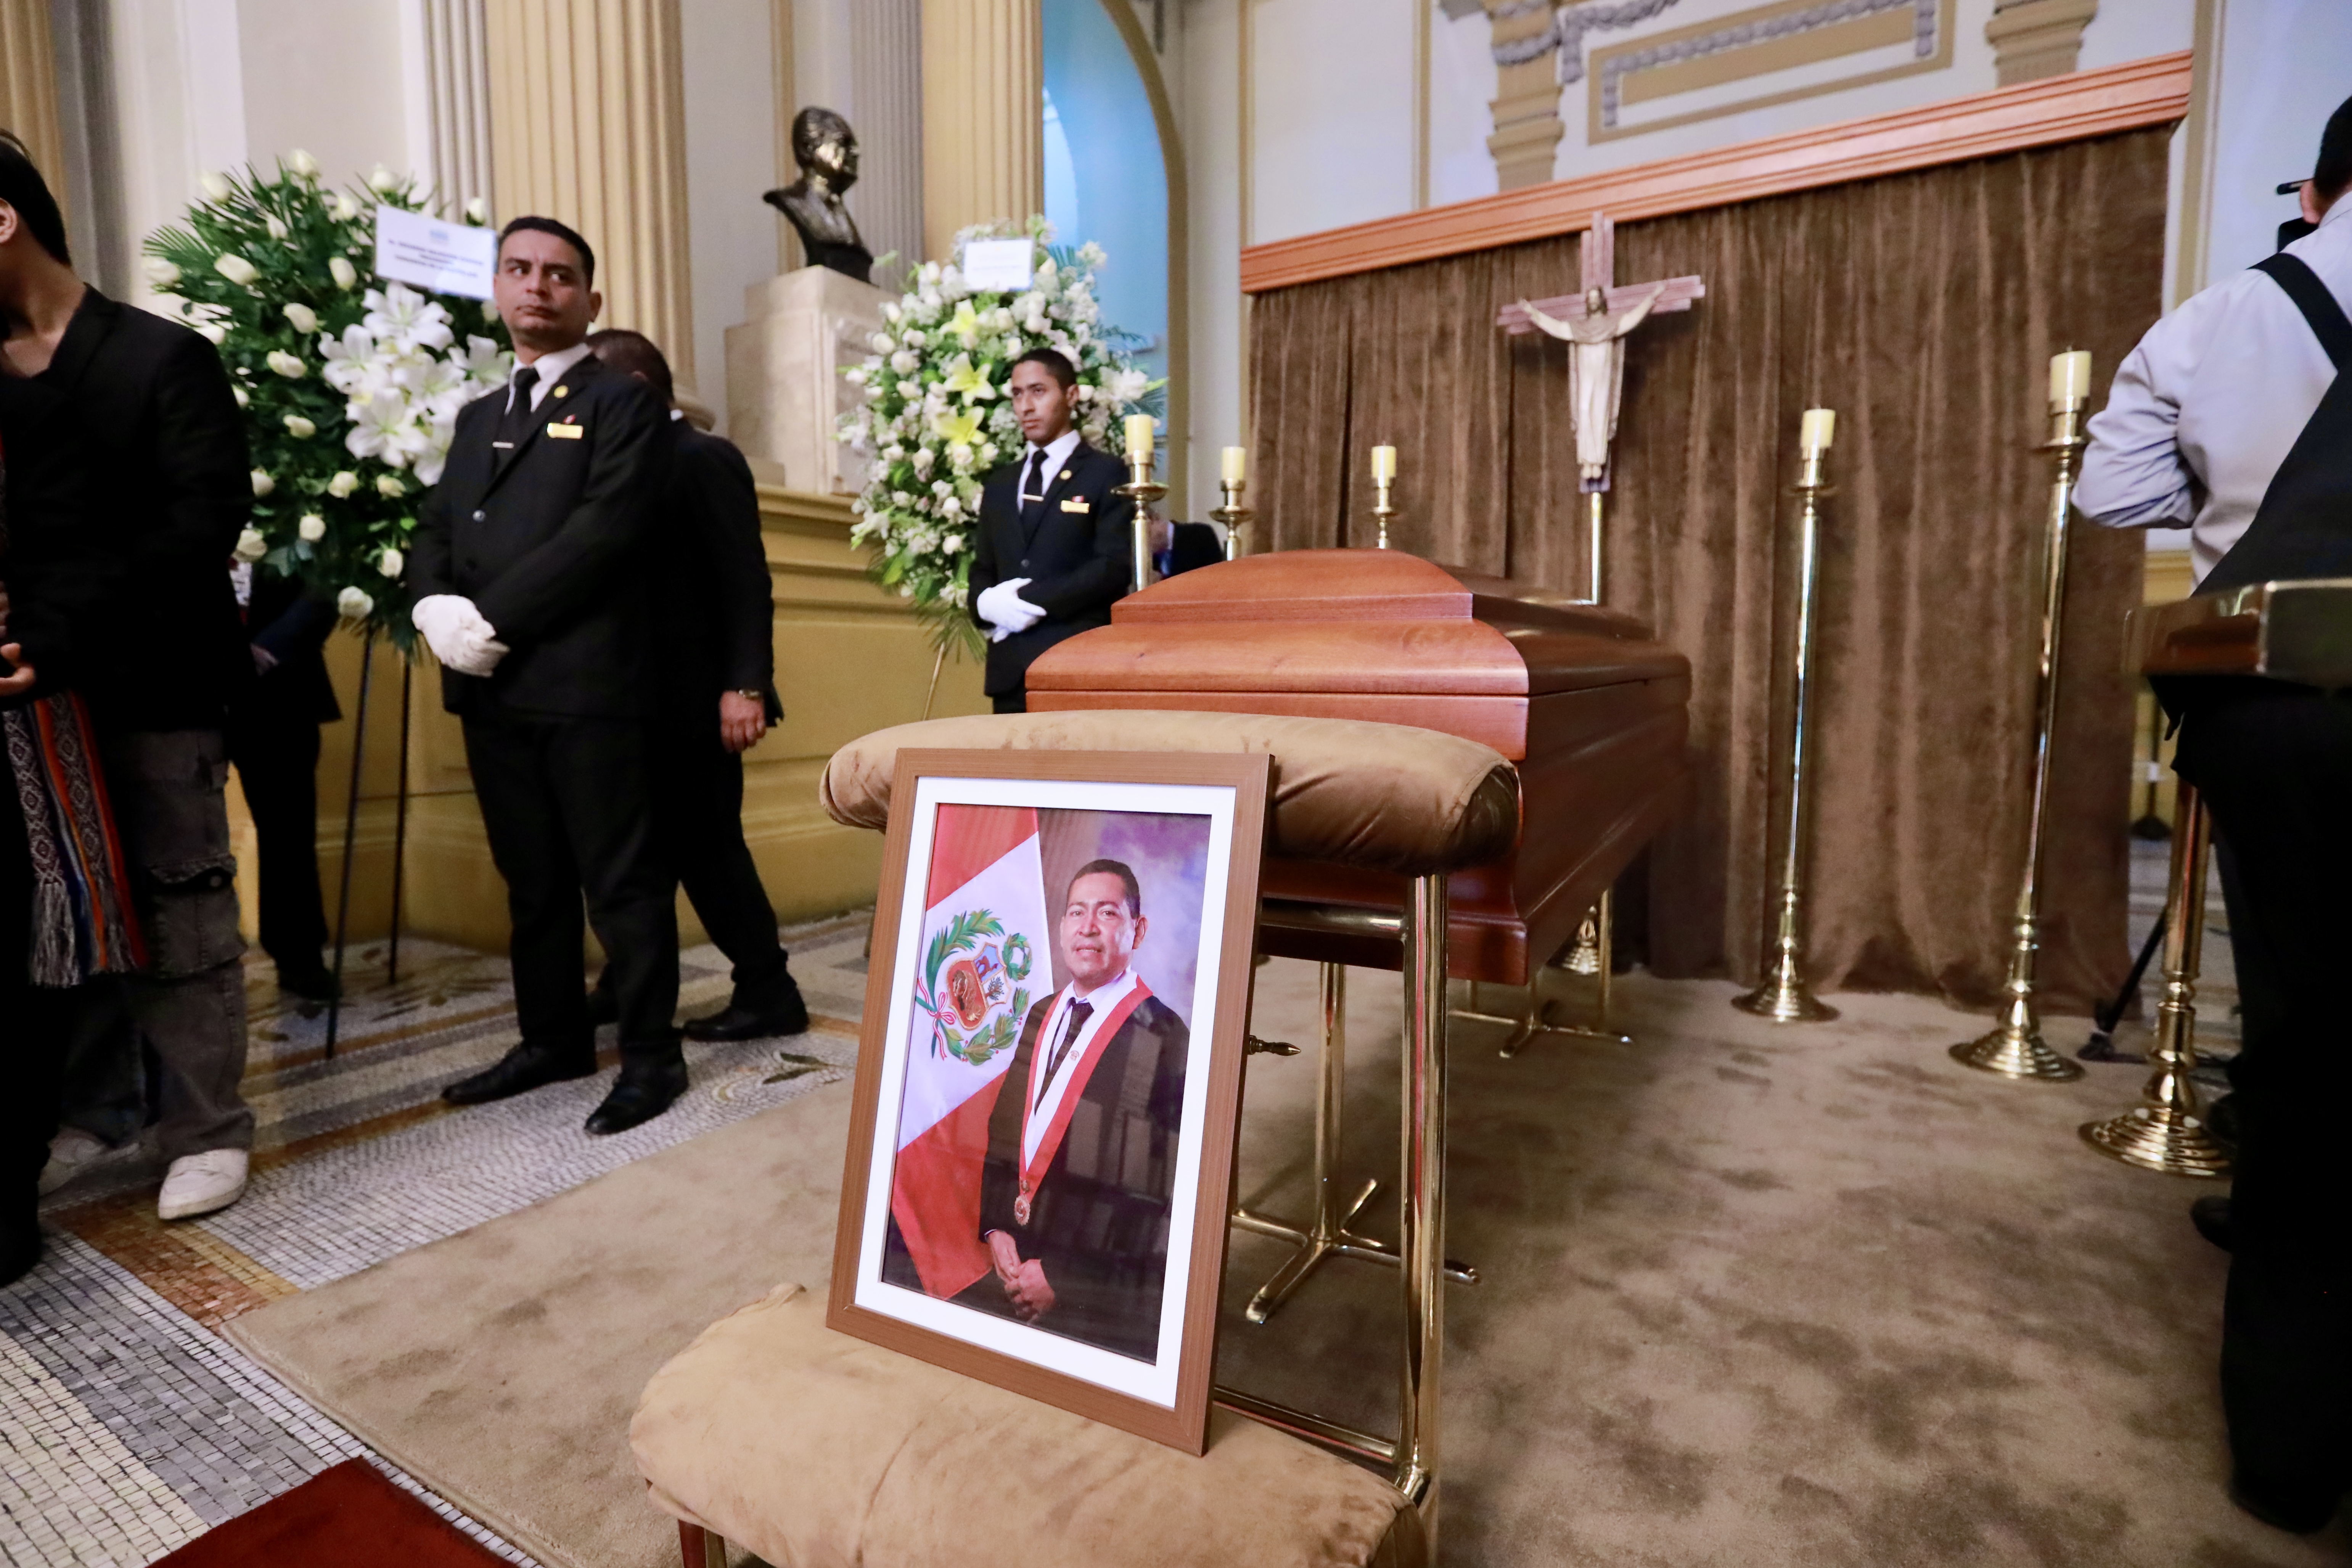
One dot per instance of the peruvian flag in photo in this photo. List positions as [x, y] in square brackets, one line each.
[982, 964]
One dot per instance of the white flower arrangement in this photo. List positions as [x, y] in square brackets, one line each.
[937, 415]
[403, 381]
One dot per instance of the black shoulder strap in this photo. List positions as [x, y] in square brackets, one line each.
[2318, 306]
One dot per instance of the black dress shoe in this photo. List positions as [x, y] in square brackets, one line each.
[2210, 1215]
[646, 1089]
[740, 1020]
[2221, 1121]
[603, 1007]
[521, 1069]
[2281, 1509]
[316, 984]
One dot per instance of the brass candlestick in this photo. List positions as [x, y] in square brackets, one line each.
[2014, 1047]
[1593, 542]
[1381, 511]
[1140, 489]
[2166, 1132]
[1785, 997]
[1236, 518]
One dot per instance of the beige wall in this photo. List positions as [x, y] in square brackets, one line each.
[327, 78]
[730, 159]
[849, 659]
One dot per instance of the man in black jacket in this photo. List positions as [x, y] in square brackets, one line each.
[528, 569]
[273, 740]
[168, 472]
[714, 651]
[1054, 548]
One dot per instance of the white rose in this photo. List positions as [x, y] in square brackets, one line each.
[355, 604]
[390, 562]
[285, 364]
[344, 209]
[311, 529]
[302, 429]
[242, 400]
[346, 275]
[881, 341]
[389, 487]
[478, 211]
[342, 484]
[161, 273]
[236, 268]
[276, 225]
[216, 187]
[305, 320]
[250, 545]
[262, 484]
[213, 333]
[303, 163]
[382, 181]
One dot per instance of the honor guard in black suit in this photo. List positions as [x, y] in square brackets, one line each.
[530, 571]
[2234, 415]
[168, 477]
[715, 653]
[273, 740]
[1054, 547]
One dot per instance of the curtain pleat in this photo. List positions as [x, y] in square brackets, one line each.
[1922, 307]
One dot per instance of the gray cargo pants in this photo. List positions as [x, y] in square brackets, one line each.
[169, 789]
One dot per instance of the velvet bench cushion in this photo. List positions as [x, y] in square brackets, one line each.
[816, 1450]
[1385, 798]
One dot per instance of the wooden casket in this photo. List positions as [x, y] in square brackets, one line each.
[1591, 709]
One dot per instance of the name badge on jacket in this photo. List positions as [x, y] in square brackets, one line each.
[567, 431]
[1076, 504]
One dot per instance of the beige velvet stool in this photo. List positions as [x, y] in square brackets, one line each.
[814, 1449]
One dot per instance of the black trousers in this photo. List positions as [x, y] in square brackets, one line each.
[276, 761]
[1011, 702]
[568, 805]
[32, 1038]
[2274, 766]
[699, 802]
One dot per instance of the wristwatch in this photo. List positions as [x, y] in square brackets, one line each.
[754, 696]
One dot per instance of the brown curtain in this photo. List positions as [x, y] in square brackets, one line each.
[1923, 308]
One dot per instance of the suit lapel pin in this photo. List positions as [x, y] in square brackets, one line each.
[1064, 478]
[563, 391]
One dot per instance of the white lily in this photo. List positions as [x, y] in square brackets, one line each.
[400, 314]
[379, 426]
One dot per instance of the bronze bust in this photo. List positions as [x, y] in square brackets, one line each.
[827, 151]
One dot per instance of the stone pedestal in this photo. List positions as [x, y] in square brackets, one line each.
[785, 395]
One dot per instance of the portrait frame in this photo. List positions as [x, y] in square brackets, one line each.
[1165, 1398]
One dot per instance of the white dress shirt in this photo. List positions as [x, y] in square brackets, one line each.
[1057, 452]
[1105, 1000]
[2205, 409]
[552, 369]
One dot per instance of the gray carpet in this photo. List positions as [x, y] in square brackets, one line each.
[1803, 1295]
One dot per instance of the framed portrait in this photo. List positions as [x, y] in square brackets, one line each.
[1049, 1072]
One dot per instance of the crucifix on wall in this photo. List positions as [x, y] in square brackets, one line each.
[1594, 323]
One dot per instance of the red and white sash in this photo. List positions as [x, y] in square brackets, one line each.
[1049, 1143]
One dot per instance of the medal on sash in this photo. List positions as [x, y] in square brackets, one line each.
[1034, 1171]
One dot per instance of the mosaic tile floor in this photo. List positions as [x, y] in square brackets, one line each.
[128, 1425]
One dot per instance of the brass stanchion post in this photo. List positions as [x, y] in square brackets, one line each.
[2014, 1047]
[1237, 517]
[1420, 1233]
[1785, 997]
[2165, 1132]
[1384, 483]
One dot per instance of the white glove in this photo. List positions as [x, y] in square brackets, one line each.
[1003, 608]
[458, 635]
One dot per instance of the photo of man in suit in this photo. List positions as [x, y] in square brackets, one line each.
[1082, 1144]
[1053, 550]
[530, 574]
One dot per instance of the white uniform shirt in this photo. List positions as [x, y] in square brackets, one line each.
[1105, 1000]
[552, 369]
[1057, 452]
[2206, 408]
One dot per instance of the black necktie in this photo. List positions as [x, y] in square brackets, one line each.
[1078, 1016]
[517, 422]
[1033, 494]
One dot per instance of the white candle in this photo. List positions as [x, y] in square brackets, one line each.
[1141, 429]
[1233, 467]
[1383, 463]
[1818, 429]
[2070, 377]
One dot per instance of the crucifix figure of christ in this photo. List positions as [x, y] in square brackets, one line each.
[1594, 323]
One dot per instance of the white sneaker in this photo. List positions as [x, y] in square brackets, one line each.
[71, 1153]
[202, 1183]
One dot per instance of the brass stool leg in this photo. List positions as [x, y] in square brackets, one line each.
[2165, 1132]
[1327, 1235]
[1421, 1211]
[1599, 930]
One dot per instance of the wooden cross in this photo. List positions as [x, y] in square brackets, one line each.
[1599, 255]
